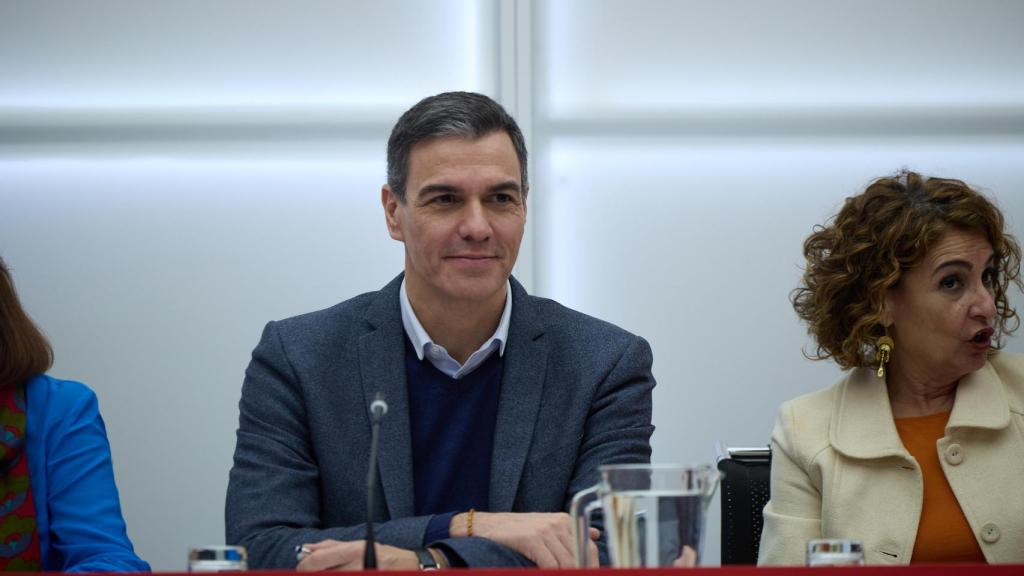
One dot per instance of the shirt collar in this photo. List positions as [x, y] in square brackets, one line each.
[421, 340]
[862, 424]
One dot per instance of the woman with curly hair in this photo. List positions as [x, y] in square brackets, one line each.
[919, 451]
[59, 509]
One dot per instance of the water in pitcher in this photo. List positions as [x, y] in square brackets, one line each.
[649, 528]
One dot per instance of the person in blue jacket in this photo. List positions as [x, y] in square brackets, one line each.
[59, 509]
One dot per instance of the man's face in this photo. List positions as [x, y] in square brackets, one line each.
[462, 220]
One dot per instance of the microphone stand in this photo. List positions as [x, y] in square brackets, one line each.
[378, 408]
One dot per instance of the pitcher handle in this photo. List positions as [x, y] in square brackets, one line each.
[716, 481]
[582, 508]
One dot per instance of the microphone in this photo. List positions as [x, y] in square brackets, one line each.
[378, 408]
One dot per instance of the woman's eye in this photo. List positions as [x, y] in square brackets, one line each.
[949, 283]
[989, 277]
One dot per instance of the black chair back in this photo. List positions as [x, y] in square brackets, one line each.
[745, 491]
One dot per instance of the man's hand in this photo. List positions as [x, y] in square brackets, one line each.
[336, 555]
[544, 538]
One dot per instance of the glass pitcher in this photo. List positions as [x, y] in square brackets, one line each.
[654, 515]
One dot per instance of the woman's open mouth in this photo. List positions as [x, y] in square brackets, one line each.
[983, 338]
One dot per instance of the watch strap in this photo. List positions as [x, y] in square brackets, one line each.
[426, 559]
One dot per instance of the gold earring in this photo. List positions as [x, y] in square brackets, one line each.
[883, 351]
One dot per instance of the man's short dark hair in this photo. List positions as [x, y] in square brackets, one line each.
[459, 114]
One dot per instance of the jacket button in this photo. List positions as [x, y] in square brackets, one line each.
[954, 454]
[990, 533]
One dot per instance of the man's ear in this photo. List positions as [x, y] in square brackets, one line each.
[391, 203]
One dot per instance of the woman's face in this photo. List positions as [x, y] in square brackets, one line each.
[942, 310]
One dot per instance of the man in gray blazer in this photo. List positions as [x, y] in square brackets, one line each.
[502, 404]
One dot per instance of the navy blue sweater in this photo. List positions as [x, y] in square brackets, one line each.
[452, 426]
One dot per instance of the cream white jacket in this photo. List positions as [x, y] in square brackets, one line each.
[839, 469]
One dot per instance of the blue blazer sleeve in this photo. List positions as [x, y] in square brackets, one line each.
[77, 506]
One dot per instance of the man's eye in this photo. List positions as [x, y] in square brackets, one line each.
[444, 199]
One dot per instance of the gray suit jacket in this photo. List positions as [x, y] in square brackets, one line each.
[575, 394]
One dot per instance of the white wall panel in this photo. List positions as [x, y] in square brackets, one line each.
[175, 174]
[696, 244]
[153, 279]
[656, 56]
[384, 54]
[686, 149]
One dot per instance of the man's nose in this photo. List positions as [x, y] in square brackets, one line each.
[475, 225]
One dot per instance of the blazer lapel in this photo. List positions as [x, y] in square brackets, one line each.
[980, 402]
[382, 367]
[519, 403]
[862, 425]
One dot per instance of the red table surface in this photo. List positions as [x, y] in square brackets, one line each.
[915, 570]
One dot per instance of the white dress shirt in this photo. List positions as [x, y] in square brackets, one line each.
[437, 355]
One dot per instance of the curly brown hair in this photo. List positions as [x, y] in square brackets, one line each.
[878, 235]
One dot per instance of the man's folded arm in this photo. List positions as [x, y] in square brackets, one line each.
[618, 429]
[273, 505]
[274, 548]
[481, 552]
[273, 498]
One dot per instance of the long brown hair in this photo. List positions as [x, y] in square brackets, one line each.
[877, 236]
[24, 351]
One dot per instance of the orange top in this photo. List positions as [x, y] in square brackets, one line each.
[943, 534]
